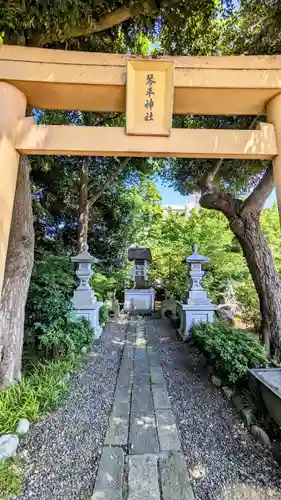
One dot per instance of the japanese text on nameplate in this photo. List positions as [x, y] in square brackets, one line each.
[149, 103]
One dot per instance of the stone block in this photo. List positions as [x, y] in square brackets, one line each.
[216, 381]
[227, 392]
[141, 380]
[109, 481]
[260, 436]
[22, 427]
[175, 480]
[8, 446]
[122, 394]
[157, 376]
[160, 398]
[142, 400]
[143, 477]
[143, 434]
[117, 432]
[167, 431]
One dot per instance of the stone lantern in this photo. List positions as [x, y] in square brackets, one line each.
[84, 302]
[198, 307]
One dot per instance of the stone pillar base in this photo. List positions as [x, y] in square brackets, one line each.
[91, 313]
[141, 301]
[191, 315]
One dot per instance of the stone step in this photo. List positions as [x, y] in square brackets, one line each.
[117, 432]
[167, 431]
[143, 434]
[110, 477]
[175, 480]
[143, 478]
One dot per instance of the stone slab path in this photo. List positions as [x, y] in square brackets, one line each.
[142, 456]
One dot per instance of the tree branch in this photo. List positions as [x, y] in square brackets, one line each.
[258, 197]
[206, 183]
[223, 202]
[86, 28]
[108, 181]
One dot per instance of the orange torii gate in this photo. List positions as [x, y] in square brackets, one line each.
[149, 91]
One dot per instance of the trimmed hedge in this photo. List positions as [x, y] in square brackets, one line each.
[233, 352]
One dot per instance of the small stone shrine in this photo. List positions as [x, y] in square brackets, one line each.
[198, 307]
[139, 298]
[84, 302]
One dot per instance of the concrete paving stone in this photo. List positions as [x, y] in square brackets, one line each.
[128, 352]
[143, 477]
[143, 434]
[160, 398]
[140, 354]
[141, 379]
[125, 380]
[117, 432]
[109, 481]
[142, 400]
[120, 409]
[157, 376]
[141, 367]
[122, 394]
[167, 431]
[175, 480]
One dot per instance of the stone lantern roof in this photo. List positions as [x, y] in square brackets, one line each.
[84, 257]
[195, 257]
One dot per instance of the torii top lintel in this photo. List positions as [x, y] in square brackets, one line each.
[56, 79]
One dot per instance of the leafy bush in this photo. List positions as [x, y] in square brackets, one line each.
[51, 287]
[249, 302]
[50, 331]
[65, 337]
[103, 315]
[232, 351]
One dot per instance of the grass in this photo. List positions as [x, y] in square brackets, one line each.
[36, 395]
[10, 478]
[33, 398]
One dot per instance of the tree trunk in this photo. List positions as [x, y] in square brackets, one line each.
[83, 224]
[18, 270]
[257, 253]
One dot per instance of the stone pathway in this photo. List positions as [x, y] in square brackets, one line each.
[223, 459]
[142, 456]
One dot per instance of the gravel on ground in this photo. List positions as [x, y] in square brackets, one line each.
[64, 449]
[222, 457]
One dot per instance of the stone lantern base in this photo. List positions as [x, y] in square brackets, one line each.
[194, 314]
[139, 301]
[92, 315]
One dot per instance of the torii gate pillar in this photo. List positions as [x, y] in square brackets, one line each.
[273, 112]
[12, 108]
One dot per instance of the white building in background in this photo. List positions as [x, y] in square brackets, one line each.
[192, 203]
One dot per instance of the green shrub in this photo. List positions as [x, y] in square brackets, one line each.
[232, 351]
[65, 337]
[248, 299]
[103, 315]
[48, 304]
[50, 330]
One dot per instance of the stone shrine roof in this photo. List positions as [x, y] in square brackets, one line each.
[139, 253]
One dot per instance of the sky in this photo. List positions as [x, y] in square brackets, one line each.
[171, 197]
